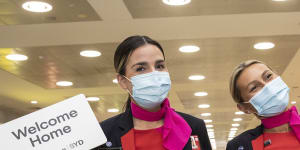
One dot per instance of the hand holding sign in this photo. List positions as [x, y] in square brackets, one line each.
[69, 124]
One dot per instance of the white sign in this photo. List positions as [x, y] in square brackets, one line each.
[67, 125]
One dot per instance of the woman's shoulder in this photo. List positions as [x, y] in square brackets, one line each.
[245, 138]
[111, 122]
[191, 120]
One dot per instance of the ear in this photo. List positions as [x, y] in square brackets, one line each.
[122, 81]
[243, 108]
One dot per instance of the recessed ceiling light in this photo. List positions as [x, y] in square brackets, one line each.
[115, 81]
[113, 110]
[36, 6]
[237, 119]
[16, 57]
[235, 125]
[293, 102]
[203, 106]
[279, 0]
[233, 129]
[90, 53]
[210, 130]
[189, 49]
[196, 77]
[64, 83]
[206, 114]
[176, 2]
[34, 102]
[231, 136]
[232, 132]
[209, 126]
[239, 113]
[93, 99]
[201, 94]
[207, 121]
[264, 45]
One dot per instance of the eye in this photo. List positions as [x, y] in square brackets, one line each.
[140, 68]
[160, 66]
[253, 88]
[269, 76]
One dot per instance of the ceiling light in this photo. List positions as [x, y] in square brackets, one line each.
[237, 119]
[90, 53]
[16, 57]
[206, 114]
[113, 110]
[232, 132]
[279, 0]
[196, 77]
[36, 6]
[264, 45]
[210, 130]
[201, 94]
[209, 126]
[233, 129]
[64, 83]
[189, 49]
[207, 121]
[239, 113]
[34, 102]
[176, 2]
[235, 125]
[231, 136]
[293, 102]
[203, 106]
[115, 81]
[93, 99]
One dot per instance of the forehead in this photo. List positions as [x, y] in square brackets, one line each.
[251, 73]
[145, 53]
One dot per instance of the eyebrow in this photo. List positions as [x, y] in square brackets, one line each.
[262, 75]
[159, 61]
[139, 64]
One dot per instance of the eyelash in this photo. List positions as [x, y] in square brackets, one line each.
[161, 66]
[139, 69]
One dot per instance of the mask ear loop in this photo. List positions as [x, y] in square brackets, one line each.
[131, 84]
[248, 110]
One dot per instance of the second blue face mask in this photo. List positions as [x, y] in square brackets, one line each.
[272, 99]
[149, 90]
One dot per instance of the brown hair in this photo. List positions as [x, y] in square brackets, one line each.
[125, 49]
[234, 90]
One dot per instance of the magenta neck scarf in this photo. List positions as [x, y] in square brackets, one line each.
[291, 116]
[175, 131]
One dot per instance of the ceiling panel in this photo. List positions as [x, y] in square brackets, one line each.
[12, 13]
[157, 9]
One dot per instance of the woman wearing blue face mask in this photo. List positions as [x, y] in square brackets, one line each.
[149, 123]
[258, 90]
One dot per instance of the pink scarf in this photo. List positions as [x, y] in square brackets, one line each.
[175, 131]
[291, 116]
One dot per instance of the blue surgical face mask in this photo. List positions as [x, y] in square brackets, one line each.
[272, 99]
[150, 89]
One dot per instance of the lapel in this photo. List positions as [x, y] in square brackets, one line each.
[127, 134]
[258, 143]
[127, 140]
